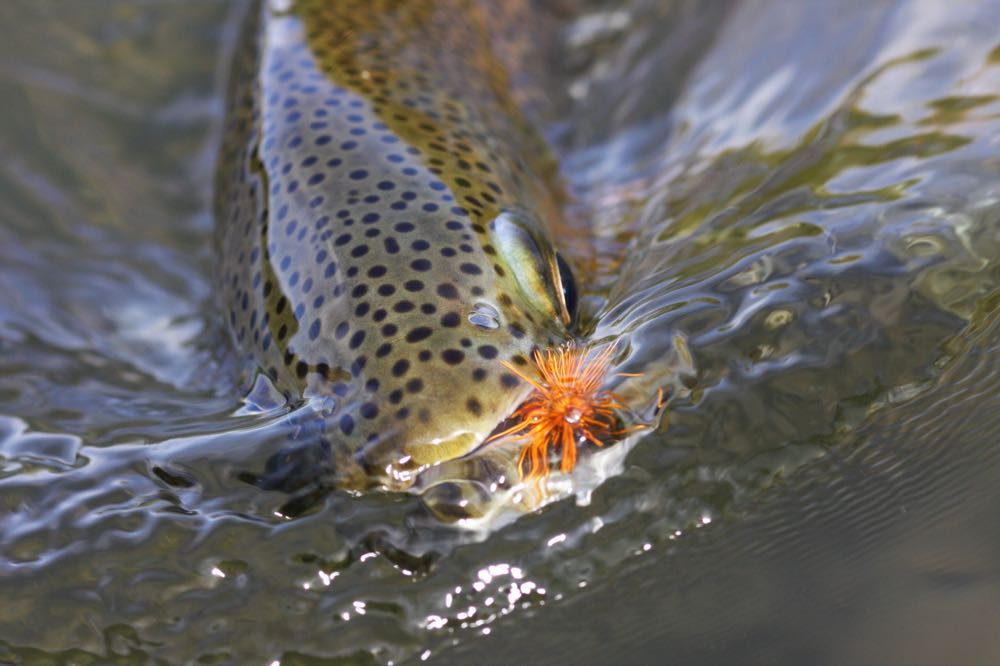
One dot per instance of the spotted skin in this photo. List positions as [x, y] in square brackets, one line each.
[371, 147]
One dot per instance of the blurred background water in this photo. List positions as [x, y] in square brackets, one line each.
[808, 192]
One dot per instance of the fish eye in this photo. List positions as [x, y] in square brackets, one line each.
[568, 283]
[544, 278]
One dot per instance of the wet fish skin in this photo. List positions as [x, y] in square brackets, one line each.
[384, 213]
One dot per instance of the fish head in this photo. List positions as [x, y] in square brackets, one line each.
[435, 385]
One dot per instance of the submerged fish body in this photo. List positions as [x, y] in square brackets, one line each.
[384, 214]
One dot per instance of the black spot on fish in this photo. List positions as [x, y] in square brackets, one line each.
[419, 333]
[452, 356]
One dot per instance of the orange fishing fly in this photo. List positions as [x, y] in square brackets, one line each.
[566, 408]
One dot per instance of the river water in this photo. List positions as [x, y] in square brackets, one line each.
[806, 194]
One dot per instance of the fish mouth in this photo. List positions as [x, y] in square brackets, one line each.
[468, 443]
[501, 434]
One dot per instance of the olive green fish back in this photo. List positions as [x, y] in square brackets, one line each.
[370, 148]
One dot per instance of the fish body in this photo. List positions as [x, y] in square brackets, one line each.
[384, 213]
